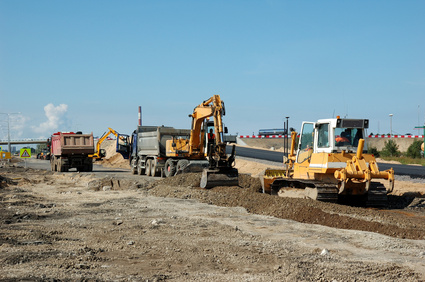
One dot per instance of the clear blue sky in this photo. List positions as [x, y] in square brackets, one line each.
[95, 62]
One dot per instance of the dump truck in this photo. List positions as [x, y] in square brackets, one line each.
[71, 150]
[160, 151]
[331, 164]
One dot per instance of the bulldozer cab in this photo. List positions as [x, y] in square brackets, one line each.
[330, 136]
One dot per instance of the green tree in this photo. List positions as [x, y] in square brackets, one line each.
[414, 150]
[390, 149]
[40, 147]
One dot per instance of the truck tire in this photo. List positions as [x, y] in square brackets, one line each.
[170, 168]
[133, 164]
[59, 166]
[52, 164]
[148, 167]
[181, 165]
[140, 169]
[153, 168]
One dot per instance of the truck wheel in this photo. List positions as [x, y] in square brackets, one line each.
[153, 168]
[59, 166]
[181, 165]
[140, 170]
[170, 168]
[148, 167]
[133, 164]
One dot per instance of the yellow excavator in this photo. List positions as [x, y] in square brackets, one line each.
[121, 146]
[331, 164]
[220, 171]
[199, 153]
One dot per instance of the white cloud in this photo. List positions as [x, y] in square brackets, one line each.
[55, 117]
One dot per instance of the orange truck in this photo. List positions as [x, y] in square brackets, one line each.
[71, 150]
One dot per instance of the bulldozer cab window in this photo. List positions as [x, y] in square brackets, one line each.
[348, 137]
[305, 148]
[323, 135]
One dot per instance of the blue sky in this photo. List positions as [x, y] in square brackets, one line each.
[88, 65]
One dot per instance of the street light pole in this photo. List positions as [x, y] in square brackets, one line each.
[286, 137]
[9, 148]
[391, 125]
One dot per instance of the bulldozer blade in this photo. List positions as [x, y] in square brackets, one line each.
[219, 177]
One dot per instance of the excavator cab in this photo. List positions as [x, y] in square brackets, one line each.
[123, 145]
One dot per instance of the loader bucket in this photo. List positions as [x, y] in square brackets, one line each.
[219, 177]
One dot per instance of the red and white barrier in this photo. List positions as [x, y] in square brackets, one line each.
[370, 136]
[395, 136]
[261, 136]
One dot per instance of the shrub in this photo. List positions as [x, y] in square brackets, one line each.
[390, 149]
[373, 151]
[414, 150]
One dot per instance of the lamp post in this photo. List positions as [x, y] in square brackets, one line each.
[391, 125]
[8, 130]
[286, 137]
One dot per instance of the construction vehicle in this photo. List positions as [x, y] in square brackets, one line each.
[331, 164]
[154, 148]
[121, 145]
[220, 171]
[71, 150]
[168, 151]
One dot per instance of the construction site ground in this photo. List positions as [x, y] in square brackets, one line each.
[112, 225]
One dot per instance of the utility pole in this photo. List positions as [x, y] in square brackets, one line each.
[8, 130]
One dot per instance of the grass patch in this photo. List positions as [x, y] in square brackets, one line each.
[405, 160]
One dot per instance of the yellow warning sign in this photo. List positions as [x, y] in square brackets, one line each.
[25, 153]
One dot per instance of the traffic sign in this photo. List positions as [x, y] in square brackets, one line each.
[25, 153]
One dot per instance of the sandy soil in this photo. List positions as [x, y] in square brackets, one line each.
[82, 226]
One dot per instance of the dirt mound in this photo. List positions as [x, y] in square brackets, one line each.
[186, 186]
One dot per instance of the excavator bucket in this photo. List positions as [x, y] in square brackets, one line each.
[219, 177]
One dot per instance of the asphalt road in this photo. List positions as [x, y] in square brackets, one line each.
[273, 156]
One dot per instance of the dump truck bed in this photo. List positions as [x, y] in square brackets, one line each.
[152, 140]
[72, 143]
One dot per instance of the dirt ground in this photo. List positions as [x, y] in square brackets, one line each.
[95, 227]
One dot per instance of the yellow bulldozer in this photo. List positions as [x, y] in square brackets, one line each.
[331, 164]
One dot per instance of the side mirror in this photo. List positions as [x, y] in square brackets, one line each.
[225, 130]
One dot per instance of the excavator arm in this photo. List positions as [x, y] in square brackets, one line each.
[100, 153]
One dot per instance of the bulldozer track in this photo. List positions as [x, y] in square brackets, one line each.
[310, 188]
[377, 196]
